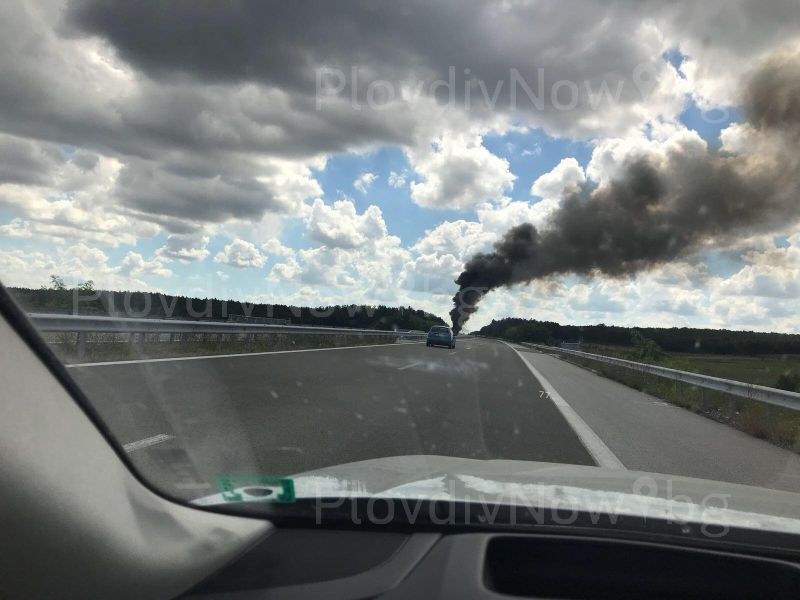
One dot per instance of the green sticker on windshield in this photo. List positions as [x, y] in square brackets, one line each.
[256, 488]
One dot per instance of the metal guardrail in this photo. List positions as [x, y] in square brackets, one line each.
[790, 400]
[83, 325]
[91, 324]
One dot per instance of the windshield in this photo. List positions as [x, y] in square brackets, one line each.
[236, 225]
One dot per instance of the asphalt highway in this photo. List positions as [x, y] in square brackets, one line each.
[185, 421]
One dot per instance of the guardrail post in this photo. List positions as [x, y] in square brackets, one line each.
[219, 341]
[80, 344]
[136, 341]
[771, 421]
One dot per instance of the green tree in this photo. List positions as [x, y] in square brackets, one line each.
[646, 349]
[57, 283]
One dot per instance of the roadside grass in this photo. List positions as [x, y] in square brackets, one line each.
[760, 370]
[112, 347]
[778, 425]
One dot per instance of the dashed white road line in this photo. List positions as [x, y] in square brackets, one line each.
[414, 364]
[237, 355]
[601, 453]
[147, 442]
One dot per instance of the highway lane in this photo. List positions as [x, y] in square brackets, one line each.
[648, 434]
[284, 413]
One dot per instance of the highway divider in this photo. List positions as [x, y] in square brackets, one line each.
[79, 332]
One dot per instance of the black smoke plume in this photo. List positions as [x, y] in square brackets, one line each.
[661, 209]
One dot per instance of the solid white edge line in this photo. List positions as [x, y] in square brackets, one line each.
[237, 355]
[601, 453]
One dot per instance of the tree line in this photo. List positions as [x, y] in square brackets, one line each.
[670, 339]
[85, 300]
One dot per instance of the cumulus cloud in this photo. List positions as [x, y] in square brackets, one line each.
[364, 181]
[773, 272]
[340, 226]
[208, 130]
[458, 172]
[655, 144]
[431, 273]
[603, 298]
[458, 238]
[60, 195]
[185, 248]
[79, 263]
[241, 254]
[273, 247]
[374, 266]
[134, 264]
[565, 178]
[196, 97]
[397, 180]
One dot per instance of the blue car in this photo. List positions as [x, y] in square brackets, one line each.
[441, 336]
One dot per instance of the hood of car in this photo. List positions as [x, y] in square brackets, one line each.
[548, 485]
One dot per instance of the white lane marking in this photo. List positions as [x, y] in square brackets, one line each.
[601, 453]
[414, 364]
[147, 442]
[205, 356]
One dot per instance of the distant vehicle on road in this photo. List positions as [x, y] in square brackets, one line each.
[440, 335]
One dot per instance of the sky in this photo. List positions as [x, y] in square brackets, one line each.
[322, 153]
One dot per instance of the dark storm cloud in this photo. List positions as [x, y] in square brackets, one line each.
[656, 212]
[26, 162]
[772, 94]
[85, 161]
[187, 131]
[274, 42]
[283, 44]
[144, 187]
